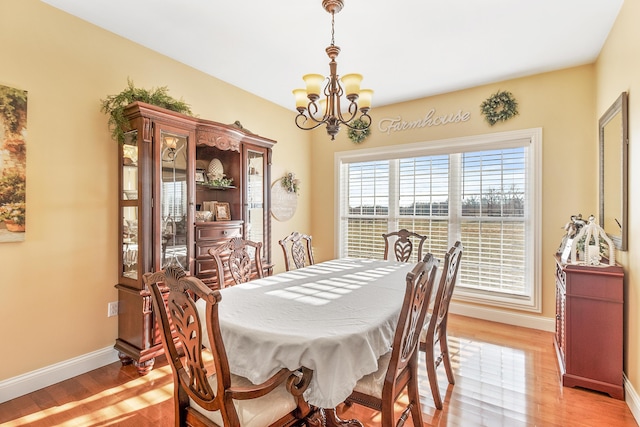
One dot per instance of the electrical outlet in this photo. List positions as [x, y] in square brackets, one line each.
[112, 309]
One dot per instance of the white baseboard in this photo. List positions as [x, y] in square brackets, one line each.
[632, 398]
[518, 319]
[44, 377]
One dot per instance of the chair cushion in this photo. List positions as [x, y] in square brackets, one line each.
[372, 384]
[258, 412]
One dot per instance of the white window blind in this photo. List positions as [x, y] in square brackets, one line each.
[492, 222]
[365, 209]
[480, 193]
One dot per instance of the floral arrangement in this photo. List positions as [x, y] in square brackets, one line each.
[13, 212]
[499, 107]
[221, 182]
[291, 183]
[12, 197]
[358, 131]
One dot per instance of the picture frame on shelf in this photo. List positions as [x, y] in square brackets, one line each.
[201, 175]
[222, 211]
[209, 205]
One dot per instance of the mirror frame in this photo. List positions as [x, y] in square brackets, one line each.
[619, 106]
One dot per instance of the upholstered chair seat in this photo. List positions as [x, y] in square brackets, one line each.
[258, 412]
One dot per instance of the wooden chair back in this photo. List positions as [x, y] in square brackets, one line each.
[402, 368]
[233, 260]
[182, 335]
[403, 243]
[436, 328]
[297, 250]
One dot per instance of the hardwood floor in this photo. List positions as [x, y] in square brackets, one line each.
[505, 376]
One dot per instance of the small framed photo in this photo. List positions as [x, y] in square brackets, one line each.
[200, 175]
[209, 206]
[223, 213]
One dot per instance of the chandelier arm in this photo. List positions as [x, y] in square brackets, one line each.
[365, 118]
[301, 126]
[352, 110]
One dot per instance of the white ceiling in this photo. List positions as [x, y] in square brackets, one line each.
[406, 49]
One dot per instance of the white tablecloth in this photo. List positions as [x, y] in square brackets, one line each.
[336, 318]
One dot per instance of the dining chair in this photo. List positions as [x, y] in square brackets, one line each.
[220, 399]
[296, 253]
[402, 242]
[398, 368]
[238, 259]
[435, 328]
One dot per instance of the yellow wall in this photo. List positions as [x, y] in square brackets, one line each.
[55, 286]
[618, 70]
[561, 103]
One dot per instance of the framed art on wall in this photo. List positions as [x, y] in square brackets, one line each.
[13, 156]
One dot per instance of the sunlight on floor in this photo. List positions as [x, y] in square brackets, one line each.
[129, 405]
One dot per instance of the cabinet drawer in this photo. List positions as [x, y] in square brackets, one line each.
[218, 232]
[202, 248]
[603, 287]
[205, 267]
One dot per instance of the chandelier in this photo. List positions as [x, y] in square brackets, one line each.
[313, 112]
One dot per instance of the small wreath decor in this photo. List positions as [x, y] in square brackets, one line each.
[499, 107]
[358, 131]
[291, 183]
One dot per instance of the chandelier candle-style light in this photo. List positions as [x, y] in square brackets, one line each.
[313, 112]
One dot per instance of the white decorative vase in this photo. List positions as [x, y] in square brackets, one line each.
[215, 170]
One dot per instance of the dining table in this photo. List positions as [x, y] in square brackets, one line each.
[335, 318]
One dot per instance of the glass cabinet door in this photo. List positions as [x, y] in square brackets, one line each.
[129, 207]
[173, 203]
[255, 202]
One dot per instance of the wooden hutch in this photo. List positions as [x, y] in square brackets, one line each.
[159, 195]
[589, 327]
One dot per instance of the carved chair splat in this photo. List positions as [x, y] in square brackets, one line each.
[403, 245]
[296, 253]
[239, 265]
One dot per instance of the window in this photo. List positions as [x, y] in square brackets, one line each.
[483, 191]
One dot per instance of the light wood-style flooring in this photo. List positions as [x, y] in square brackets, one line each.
[505, 376]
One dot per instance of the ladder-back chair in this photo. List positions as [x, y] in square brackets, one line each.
[435, 329]
[221, 399]
[398, 369]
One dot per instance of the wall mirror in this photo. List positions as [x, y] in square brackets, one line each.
[614, 140]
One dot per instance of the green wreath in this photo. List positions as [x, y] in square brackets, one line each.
[499, 107]
[358, 131]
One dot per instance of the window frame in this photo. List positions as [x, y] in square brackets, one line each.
[533, 137]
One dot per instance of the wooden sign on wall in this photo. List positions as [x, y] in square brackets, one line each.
[432, 118]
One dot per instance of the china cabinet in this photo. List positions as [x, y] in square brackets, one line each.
[589, 327]
[161, 204]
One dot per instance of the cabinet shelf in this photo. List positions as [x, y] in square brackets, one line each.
[216, 187]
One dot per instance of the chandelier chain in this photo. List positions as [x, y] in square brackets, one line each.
[333, 29]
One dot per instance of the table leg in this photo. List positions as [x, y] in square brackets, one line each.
[322, 417]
